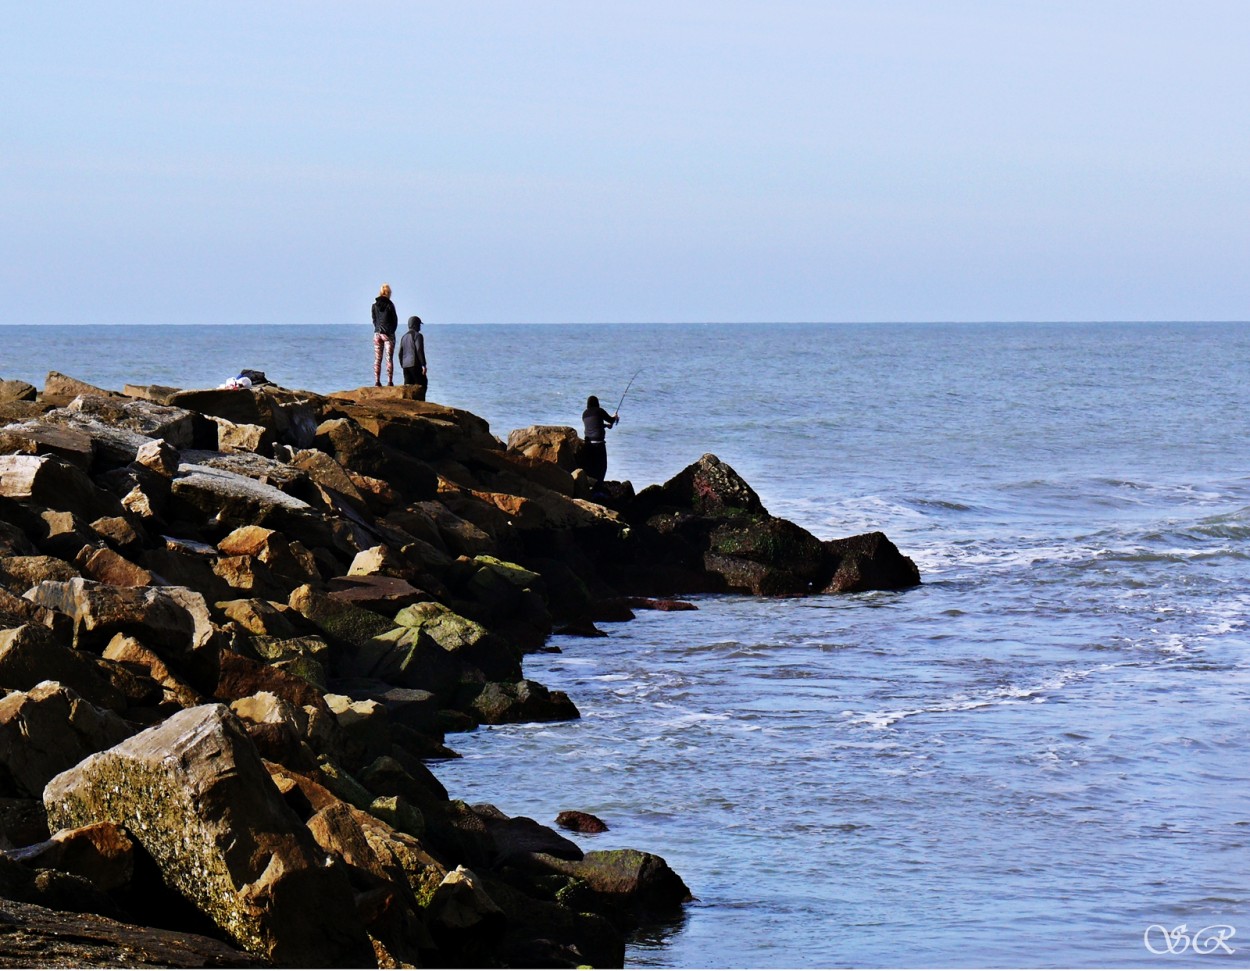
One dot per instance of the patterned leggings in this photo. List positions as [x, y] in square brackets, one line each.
[381, 341]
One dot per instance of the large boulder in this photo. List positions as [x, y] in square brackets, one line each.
[196, 795]
[869, 561]
[708, 487]
[766, 555]
[471, 644]
[499, 703]
[289, 416]
[627, 882]
[174, 425]
[229, 500]
[557, 444]
[176, 618]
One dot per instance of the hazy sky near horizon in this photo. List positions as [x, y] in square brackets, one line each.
[564, 160]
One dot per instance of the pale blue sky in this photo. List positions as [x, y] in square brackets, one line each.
[534, 160]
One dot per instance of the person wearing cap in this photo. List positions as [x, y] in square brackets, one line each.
[412, 357]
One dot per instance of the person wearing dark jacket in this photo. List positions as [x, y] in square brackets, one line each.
[595, 422]
[385, 323]
[412, 357]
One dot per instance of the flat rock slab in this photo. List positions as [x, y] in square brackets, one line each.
[36, 937]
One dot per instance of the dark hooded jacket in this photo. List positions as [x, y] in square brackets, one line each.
[412, 345]
[385, 320]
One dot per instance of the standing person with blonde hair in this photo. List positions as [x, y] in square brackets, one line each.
[385, 323]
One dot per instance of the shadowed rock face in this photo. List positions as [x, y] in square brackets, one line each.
[194, 793]
[35, 937]
[706, 530]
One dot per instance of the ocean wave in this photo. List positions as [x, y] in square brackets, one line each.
[1010, 694]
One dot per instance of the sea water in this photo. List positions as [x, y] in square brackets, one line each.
[1038, 758]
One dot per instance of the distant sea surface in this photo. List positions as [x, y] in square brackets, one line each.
[1038, 758]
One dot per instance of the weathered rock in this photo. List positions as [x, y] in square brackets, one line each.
[22, 821]
[398, 864]
[246, 574]
[48, 729]
[413, 707]
[276, 727]
[14, 541]
[357, 450]
[42, 438]
[342, 623]
[240, 677]
[20, 573]
[158, 393]
[498, 703]
[461, 906]
[104, 565]
[398, 813]
[127, 650]
[382, 594]
[174, 425]
[243, 438]
[100, 853]
[63, 534]
[430, 636]
[49, 480]
[580, 822]
[62, 388]
[627, 881]
[17, 391]
[328, 474]
[113, 445]
[378, 561]
[869, 562]
[766, 556]
[159, 457]
[174, 617]
[263, 617]
[289, 560]
[558, 444]
[545, 934]
[229, 500]
[518, 838]
[194, 793]
[35, 936]
[708, 487]
[31, 654]
[366, 728]
[423, 428]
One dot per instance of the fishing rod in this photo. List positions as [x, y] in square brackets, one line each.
[625, 392]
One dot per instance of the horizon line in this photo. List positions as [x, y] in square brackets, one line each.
[668, 323]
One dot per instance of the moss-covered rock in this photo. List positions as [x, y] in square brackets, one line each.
[195, 794]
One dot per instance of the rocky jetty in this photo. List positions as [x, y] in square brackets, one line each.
[236, 627]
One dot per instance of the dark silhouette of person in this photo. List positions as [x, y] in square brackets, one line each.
[412, 357]
[595, 422]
